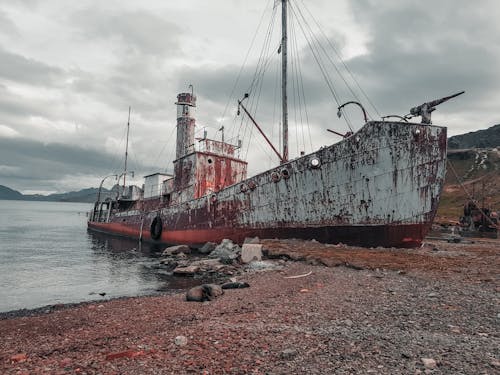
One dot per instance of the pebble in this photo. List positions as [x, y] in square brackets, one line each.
[288, 354]
[429, 363]
[181, 341]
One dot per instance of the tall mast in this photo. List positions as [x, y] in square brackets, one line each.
[284, 77]
[126, 150]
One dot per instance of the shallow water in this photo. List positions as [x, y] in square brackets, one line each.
[48, 257]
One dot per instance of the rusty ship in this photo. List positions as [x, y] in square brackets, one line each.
[377, 186]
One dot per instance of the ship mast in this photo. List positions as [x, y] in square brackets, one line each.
[126, 151]
[284, 78]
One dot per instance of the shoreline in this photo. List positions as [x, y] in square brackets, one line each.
[332, 309]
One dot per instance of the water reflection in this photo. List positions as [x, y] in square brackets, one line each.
[127, 259]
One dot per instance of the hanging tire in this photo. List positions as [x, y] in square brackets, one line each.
[156, 228]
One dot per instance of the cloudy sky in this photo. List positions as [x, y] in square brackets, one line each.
[70, 70]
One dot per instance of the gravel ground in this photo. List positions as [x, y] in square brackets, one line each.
[382, 311]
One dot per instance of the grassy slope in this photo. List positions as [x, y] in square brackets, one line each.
[473, 168]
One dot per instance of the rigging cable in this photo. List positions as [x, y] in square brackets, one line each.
[317, 58]
[231, 96]
[341, 60]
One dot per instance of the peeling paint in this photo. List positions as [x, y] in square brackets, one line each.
[380, 186]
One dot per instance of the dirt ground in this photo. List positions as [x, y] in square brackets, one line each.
[326, 310]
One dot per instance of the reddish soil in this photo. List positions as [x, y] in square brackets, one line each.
[432, 310]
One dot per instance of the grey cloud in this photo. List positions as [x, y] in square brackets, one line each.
[30, 164]
[6, 25]
[18, 68]
[417, 53]
[14, 107]
[137, 31]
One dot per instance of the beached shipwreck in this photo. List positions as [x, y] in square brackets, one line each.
[378, 186]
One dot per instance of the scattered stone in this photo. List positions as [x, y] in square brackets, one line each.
[251, 240]
[235, 285]
[21, 357]
[125, 354]
[429, 363]
[204, 292]
[432, 295]
[288, 354]
[207, 248]
[169, 263]
[181, 341]
[262, 266]
[405, 355]
[65, 362]
[251, 252]
[189, 270]
[208, 265]
[173, 250]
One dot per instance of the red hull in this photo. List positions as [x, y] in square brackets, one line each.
[395, 235]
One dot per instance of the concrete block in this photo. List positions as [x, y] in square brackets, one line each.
[251, 252]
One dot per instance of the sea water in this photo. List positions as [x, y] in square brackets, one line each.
[48, 257]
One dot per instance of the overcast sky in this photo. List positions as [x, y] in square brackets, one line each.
[70, 69]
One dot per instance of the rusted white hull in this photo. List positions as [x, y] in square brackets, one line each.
[379, 187]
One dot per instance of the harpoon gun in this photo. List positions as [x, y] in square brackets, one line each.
[426, 109]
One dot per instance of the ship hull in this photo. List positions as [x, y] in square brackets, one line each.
[402, 235]
[379, 187]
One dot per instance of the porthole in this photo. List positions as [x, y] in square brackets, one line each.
[314, 162]
[285, 174]
[252, 185]
[243, 188]
[275, 176]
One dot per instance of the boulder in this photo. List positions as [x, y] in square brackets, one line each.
[227, 251]
[173, 250]
[251, 252]
[207, 248]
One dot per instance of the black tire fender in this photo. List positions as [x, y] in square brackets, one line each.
[156, 228]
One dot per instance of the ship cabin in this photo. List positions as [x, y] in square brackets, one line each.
[202, 166]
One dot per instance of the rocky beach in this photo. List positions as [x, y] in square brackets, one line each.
[310, 308]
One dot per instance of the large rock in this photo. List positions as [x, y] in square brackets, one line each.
[227, 251]
[173, 250]
[208, 265]
[251, 252]
[207, 248]
[186, 271]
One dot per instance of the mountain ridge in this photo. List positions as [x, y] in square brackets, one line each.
[87, 195]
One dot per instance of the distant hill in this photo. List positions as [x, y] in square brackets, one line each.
[487, 138]
[84, 196]
[9, 194]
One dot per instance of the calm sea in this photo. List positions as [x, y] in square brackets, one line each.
[47, 257]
